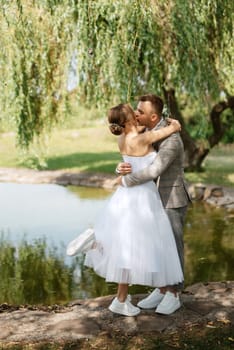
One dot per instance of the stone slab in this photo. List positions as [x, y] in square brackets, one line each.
[84, 319]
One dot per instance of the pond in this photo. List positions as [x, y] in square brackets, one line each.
[37, 222]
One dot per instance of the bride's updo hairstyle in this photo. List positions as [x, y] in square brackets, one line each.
[118, 116]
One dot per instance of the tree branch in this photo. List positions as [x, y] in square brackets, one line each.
[215, 118]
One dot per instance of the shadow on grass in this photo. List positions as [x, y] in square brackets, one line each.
[93, 162]
[85, 161]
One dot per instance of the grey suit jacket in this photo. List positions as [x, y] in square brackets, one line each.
[167, 170]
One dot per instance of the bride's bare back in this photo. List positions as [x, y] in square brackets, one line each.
[133, 143]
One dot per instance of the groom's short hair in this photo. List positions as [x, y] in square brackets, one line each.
[156, 101]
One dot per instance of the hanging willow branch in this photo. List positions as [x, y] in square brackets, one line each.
[123, 48]
[38, 41]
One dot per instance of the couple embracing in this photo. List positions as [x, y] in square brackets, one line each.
[138, 238]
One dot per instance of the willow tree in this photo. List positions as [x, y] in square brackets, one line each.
[175, 48]
[122, 48]
[35, 37]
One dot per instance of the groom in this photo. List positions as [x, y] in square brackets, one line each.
[167, 171]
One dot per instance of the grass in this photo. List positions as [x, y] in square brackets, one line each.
[86, 149]
[218, 167]
[93, 148]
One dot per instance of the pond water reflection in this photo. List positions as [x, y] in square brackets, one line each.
[55, 212]
[209, 244]
[37, 222]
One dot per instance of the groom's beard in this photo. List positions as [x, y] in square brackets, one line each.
[144, 128]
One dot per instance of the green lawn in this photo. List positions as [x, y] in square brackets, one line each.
[94, 149]
[86, 149]
[218, 167]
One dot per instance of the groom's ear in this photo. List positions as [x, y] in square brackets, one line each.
[155, 117]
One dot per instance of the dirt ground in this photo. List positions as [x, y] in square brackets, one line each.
[205, 321]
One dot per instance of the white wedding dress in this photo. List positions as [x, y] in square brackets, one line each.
[134, 240]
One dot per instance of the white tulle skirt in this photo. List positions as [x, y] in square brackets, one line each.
[135, 242]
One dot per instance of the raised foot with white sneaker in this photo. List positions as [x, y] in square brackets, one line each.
[82, 243]
[125, 308]
[169, 304]
[152, 300]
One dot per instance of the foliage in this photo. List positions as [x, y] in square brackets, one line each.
[200, 128]
[103, 52]
[32, 274]
[34, 63]
[229, 127]
[137, 46]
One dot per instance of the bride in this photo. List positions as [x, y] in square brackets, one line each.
[132, 241]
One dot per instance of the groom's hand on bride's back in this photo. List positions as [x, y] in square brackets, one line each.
[123, 168]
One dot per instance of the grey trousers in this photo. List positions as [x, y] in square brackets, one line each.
[177, 218]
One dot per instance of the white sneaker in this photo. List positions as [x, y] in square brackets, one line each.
[169, 304]
[152, 300]
[126, 308]
[82, 243]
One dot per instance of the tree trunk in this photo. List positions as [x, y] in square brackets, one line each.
[215, 117]
[195, 152]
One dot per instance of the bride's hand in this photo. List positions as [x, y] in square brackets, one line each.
[175, 123]
[124, 168]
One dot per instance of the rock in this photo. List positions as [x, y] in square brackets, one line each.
[230, 209]
[212, 191]
[199, 191]
[226, 201]
[90, 318]
[217, 192]
[212, 194]
[60, 177]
